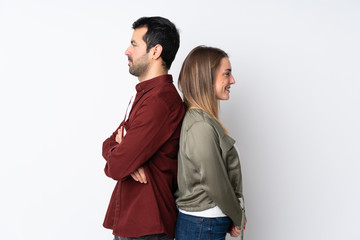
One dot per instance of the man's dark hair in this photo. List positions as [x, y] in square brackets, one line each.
[160, 31]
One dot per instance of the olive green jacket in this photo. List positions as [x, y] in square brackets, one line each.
[209, 172]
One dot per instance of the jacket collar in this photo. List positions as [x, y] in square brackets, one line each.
[151, 83]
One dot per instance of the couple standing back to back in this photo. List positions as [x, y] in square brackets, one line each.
[176, 168]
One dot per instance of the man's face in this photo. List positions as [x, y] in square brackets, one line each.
[136, 53]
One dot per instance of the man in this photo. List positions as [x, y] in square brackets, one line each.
[142, 153]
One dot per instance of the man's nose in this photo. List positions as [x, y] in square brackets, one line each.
[127, 51]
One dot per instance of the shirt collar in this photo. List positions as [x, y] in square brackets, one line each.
[151, 83]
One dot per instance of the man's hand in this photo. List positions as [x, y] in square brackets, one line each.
[139, 175]
[118, 137]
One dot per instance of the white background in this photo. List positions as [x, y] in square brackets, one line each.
[294, 110]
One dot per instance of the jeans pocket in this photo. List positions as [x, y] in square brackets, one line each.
[188, 227]
[221, 226]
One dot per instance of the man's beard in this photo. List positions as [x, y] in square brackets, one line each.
[140, 67]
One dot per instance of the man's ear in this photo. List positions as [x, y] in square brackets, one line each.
[157, 50]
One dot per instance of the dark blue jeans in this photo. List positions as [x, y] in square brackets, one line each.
[200, 228]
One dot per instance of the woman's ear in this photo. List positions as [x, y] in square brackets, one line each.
[157, 50]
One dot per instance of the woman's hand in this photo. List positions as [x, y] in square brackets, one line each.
[235, 232]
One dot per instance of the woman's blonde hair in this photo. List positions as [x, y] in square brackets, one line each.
[197, 78]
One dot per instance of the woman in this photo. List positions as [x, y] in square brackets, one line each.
[209, 197]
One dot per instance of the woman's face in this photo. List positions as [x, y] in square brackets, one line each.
[223, 80]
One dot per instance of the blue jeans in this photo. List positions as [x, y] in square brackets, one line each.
[200, 228]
